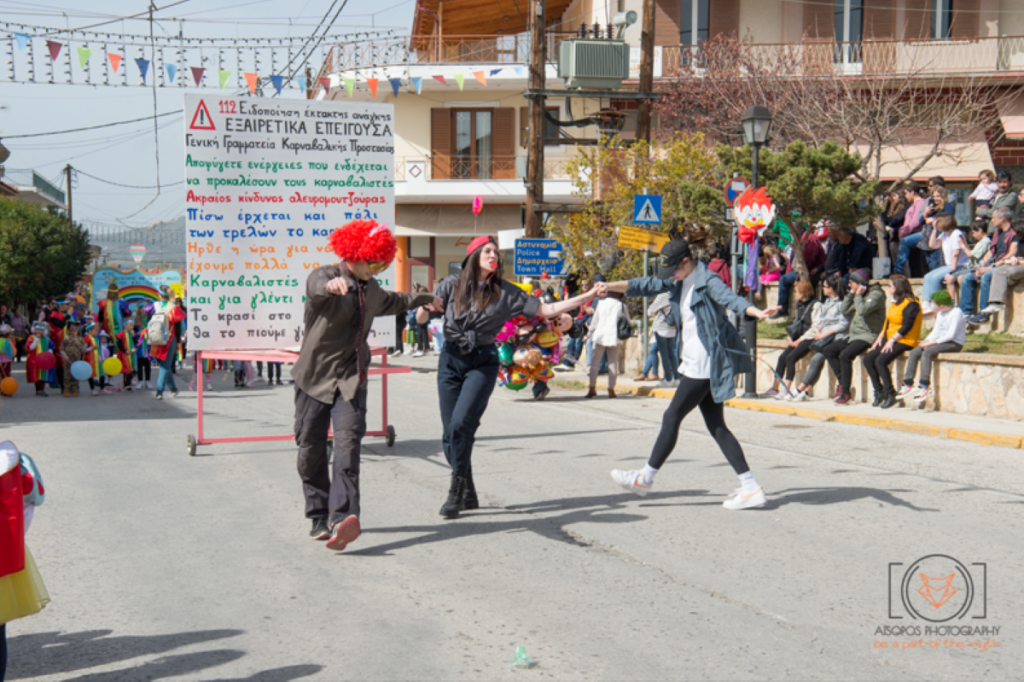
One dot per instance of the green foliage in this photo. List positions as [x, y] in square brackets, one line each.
[41, 255]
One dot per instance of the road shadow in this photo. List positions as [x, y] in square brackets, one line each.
[520, 518]
[291, 672]
[839, 495]
[56, 653]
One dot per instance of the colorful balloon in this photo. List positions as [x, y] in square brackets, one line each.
[544, 373]
[9, 386]
[81, 370]
[46, 361]
[505, 354]
[562, 323]
[547, 339]
[112, 367]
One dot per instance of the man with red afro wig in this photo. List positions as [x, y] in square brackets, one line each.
[330, 375]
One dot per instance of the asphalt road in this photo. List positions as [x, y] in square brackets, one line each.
[162, 566]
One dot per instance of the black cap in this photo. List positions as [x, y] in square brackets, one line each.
[598, 277]
[672, 254]
[1004, 175]
[858, 277]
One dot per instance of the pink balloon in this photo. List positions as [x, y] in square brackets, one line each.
[478, 204]
[46, 361]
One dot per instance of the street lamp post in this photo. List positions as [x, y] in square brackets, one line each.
[757, 124]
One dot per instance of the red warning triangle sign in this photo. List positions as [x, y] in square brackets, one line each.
[201, 120]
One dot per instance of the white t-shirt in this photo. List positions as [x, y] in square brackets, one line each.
[950, 242]
[696, 361]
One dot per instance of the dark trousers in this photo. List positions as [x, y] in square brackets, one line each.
[313, 419]
[840, 356]
[3, 651]
[786, 366]
[877, 363]
[422, 337]
[693, 393]
[272, 369]
[464, 385]
[144, 369]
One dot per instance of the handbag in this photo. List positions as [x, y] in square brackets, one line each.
[818, 345]
[799, 326]
[623, 329]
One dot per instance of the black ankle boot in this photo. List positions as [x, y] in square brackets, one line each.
[879, 398]
[456, 492]
[890, 399]
[469, 499]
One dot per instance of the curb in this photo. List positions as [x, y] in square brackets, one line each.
[980, 437]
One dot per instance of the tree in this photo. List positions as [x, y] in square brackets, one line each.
[41, 254]
[679, 169]
[808, 182]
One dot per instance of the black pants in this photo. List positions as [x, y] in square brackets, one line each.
[877, 365]
[690, 394]
[101, 382]
[326, 499]
[3, 651]
[464, 385]
[272, 368]
[789, 358]
[840, 356]
[422, 338]
[144, 369]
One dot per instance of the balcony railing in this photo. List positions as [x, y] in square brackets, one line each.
[876, 57]
[29, 178]
[448, 167]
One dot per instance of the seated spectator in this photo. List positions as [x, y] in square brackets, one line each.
[1009, 273]
[939, 203]
[851, 253]
[894, 211]
[801, 336]
[773, 264]
[910, 231]
[985, 191]
[1003, 247]
[832, 324]
[864, 306]
[946, 238]
[1005, 196]
[814, 259]
[947, 336]
[901, 333]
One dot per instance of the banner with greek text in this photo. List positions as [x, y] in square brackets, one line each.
[267, 180]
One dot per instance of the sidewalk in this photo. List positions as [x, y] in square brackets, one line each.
[982, 430]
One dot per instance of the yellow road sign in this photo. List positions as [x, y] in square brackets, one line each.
[640, 239]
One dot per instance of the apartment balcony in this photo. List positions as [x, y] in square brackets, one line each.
[455, 179]
[33, 188]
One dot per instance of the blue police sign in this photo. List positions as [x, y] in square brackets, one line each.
[647, 209]
[534, 257]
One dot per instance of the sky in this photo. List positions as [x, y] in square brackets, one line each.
[126, 154]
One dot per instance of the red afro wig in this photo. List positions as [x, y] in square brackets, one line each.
[364, 240]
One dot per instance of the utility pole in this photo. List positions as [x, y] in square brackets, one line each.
[643, 124]
[309, 83]
[535, 151]
[67, 176]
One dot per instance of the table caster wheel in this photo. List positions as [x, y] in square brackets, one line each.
[390, 438]
[191, 446]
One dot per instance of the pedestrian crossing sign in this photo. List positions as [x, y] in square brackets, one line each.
[647, 209]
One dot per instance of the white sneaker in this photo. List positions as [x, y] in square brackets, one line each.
[631, 481]
[992, 309]
[905, 391]
[770, 393]
[741, 500]
[149, 385]
[396, 353]
[418, 354]
[665, 383]
[802, 396]
[923, 394]
[783, 396]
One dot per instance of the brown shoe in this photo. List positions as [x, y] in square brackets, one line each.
[591, 393]
[74, 394]
[67, 394]
[611, 393]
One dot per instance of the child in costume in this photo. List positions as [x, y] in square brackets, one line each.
[72, 349]
[143, 366]
[57, 321]
[110, 312]
[37, 343]
[7, 350]
[22, 592]
[95, 354]
[126, 351]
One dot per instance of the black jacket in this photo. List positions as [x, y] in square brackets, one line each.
[856, 255]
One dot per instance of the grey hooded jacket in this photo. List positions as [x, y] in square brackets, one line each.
[709, 302]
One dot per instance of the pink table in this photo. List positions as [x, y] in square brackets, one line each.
[387, 431]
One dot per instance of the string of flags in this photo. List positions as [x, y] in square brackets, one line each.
[278, 82]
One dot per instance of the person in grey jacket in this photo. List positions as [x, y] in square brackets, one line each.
[713, 354]
[831, 326]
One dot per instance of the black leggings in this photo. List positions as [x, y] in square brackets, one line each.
[101, 382]
[789, 358]
[877, 365]
[840, 356]
[144, 369]
[690, 394]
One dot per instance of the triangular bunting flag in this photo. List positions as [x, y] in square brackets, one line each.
[372, 82]
[301, 80]
[83, 56]
[441, 80]
[54, 48]
[197, 74]
[115, 60]
[223, 76]
[480, 76]
[277, 82]
[459, 78]
[495, 72]
[520, 71]
[22, 40]
[395, 84]
[325, 83]
[417, 82]
[172, 71]
[143, 65]
[350, 85]
[252, 79]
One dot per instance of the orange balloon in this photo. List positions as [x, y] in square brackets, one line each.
[9, 386]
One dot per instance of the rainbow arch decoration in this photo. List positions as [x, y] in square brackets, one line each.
[134, 286]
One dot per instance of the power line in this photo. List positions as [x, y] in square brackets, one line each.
[119, 184]
[102, 125]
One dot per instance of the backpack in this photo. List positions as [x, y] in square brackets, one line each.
[623, 329]
[158, 330]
